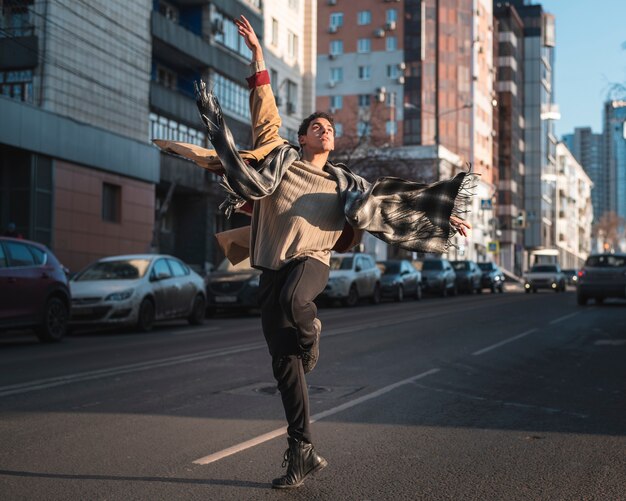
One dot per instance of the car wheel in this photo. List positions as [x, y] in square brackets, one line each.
[493, 289]
[400, 294]
[418, 292]
[479, 290]
[353, 297]
[376, 296]
[198, 311]
[145, 320]
[54, 325]
[501, 289]
[455, 290]
[581, 299]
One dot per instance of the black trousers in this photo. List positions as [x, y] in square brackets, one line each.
[287, 314]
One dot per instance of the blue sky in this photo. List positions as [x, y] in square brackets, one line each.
[589, 55]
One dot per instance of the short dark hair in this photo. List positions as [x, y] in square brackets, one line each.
[304, 126]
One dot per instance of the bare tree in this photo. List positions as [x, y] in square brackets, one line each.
[610, 229]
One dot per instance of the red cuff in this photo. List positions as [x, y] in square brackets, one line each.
[258, 79]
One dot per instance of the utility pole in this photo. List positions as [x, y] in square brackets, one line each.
[437, 171]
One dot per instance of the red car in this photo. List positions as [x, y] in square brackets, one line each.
[34, 289]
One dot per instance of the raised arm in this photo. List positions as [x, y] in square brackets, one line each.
[264, 113]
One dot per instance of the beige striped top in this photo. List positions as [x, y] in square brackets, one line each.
[303, 217]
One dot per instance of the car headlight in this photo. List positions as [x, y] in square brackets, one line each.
[120, 296]
[254, 281]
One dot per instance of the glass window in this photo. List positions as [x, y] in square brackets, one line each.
[336, 74]
[432, 265]
[341, 263]
[233, 97]
[38, 254]
[391, 43]
[364, 100]
[122, 269]
[392, 127]
[365, 72]
[19, 254]
[336, 102]
[338, 129]
[177, 268]
[292, 45]
[336, 47]
[274, 32]
[111, 202]
[3, 258]
[294, 4]
[392, 15]
[161, 269]
[363, 129]
[336, 19]
[364, 45]
[364, 17]
[393, 71]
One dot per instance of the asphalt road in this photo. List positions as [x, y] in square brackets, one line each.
[487, 397]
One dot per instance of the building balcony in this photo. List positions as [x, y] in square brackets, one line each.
[175, 105]
[19, 52]
[182, 48]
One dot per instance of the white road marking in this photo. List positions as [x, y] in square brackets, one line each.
[211, 458]
[560, 319]
[502, 343]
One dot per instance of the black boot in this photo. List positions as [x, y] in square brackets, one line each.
[311, 355]
[300, 459]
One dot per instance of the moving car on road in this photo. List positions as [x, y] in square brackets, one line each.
[493, 278]
[571, 276]
[137, 289]
[603, 276]
[232, 287]
[438, 277]
[545, 276]
[468, 276]
[399, 279]
[352, 277]
[34, 291]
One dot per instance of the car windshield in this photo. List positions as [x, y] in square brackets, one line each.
[389, 268]
[242, 266]
[432, 265]
[460, 265]
[544, 268]
[486, 266]
[123, 269]
[605, 261]
[341, 263]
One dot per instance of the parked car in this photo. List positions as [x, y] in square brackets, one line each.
[137, 289]
[34, 291]
[492, 278]
[232, 287]
[399, 279]
[571, 276]
[438, 277]
[352, 277]
[602, 276]
[544, 276]
[468, 276]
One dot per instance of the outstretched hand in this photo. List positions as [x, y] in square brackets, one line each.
[249, 36]
[459, 225]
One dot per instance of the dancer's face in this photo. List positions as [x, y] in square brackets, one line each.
[320, 136]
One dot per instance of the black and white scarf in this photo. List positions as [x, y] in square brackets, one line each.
[414, 216]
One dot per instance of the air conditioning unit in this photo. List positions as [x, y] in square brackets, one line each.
[402, 65]
[331, 83]
[332, 28]
[332, 2]
[291, 108]
[379, 33]
[401, 79]
[391, 25]
[332, 56]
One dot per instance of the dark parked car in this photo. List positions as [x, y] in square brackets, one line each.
[399, 279]
[232, 287]
[438, 277]
[602, 276]
[493, 278]
[34, 290]
[571, 276]
[468, 276]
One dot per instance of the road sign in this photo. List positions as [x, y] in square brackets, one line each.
[486, 204]
[493, 247]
